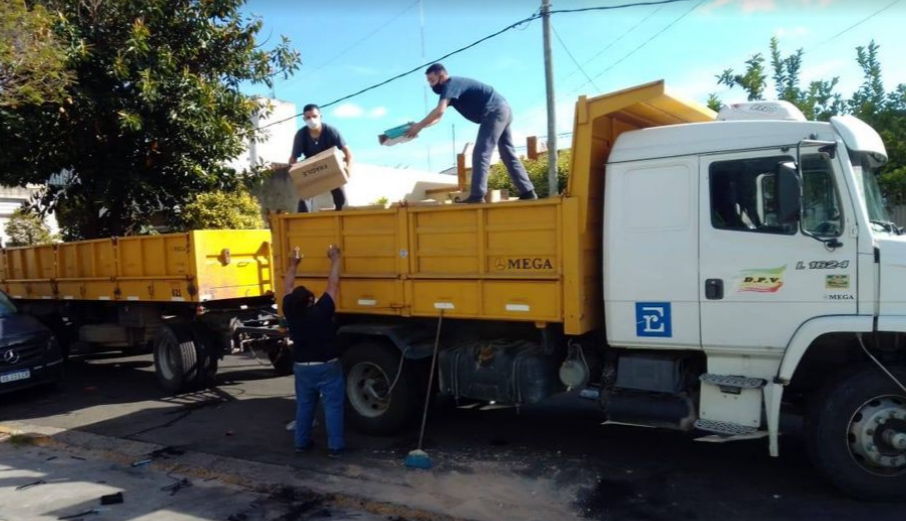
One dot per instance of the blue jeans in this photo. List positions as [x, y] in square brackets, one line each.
[327, 382]
[494, 131]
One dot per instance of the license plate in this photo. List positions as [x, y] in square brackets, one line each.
[15, 376]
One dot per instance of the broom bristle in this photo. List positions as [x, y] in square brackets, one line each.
[418, 459]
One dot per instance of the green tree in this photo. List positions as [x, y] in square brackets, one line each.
[885, 111]
[26, 228]
[235, 210]
[155, 113]
[817, 102]
[498, 178]
[32, 60]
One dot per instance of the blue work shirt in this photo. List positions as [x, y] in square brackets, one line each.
[306, 146]
[313, 333]
[471, 98]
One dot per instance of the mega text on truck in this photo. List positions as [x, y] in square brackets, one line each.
[701, 271]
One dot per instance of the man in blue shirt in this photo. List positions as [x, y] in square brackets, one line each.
[317, 368]
[315, 138]
[478, 103]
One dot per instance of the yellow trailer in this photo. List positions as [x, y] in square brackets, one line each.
[115, 292]
[197, 266]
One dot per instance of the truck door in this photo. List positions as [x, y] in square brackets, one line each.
[761, 279]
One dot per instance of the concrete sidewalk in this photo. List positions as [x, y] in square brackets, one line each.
[388, 490]
[42, 480]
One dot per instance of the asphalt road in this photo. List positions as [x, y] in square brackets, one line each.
[610, 472]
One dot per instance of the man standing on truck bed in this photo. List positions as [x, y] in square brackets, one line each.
[317, 368]
[312, 139]
[479, 103]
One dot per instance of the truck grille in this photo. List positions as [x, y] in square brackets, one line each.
[23, 355]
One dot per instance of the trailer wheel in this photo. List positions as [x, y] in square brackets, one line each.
[856, 429]
[176, 358]
[370, 371]
[281, 356]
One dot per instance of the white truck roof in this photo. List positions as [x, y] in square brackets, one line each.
[714, 137]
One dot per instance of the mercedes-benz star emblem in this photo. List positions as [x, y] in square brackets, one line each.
[11, 357]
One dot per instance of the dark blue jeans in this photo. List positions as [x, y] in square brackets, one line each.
[327, 382]
[494, 131]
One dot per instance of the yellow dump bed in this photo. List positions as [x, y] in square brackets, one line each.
[534, 261]
[496, 261]
[197, 266]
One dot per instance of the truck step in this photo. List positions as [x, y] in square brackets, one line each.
[724, 428]
[732, 382]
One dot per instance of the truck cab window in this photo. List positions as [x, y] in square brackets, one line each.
[744, 195]
[821, 213]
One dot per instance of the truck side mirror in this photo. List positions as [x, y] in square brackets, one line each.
[789, 194]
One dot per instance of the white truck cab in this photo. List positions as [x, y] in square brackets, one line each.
[760, 243]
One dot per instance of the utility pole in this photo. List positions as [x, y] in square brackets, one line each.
[551, 108]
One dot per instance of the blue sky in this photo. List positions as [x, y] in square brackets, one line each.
[347, 45]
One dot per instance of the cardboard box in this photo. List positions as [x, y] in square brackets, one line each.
[395, 135]
[319, 174]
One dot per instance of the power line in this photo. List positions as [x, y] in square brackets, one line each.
[646, 42]
[571, 57]
[359, 41]
[853, 26]
[469, 46]
[617, 40]
[366, 37]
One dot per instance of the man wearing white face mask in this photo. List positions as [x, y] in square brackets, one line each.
[315, 138]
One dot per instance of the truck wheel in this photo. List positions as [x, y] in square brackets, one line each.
[370, 371]
[281, 356]
[856, 430]
[175, 358]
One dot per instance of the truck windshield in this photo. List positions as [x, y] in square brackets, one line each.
[867, 180]
[7, 308]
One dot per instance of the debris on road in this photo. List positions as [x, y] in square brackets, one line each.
[92, 512]
[112, 499]
[176, 487]
[32, 484]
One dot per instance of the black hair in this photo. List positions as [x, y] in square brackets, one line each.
[311, 106]
[435, 68]
[298, 301]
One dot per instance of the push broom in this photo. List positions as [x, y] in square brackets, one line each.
[418, 458]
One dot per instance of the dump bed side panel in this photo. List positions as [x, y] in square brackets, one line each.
[501, 240]
[30, 270]
[374, 258]
[231, 264]
[86, 270]
[500, 261]
[156, 268]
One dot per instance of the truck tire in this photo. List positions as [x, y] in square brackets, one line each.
[856, 433]
[176, 358]
[281, 357]
[370, 370]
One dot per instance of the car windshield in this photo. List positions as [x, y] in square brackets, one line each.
[7, 307]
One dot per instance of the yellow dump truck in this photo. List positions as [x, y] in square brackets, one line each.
[701, 272]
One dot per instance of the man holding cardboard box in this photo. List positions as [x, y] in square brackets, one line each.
[478, 103]
[313, 139]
